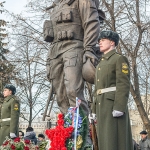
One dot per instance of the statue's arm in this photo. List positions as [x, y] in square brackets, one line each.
[90, 23]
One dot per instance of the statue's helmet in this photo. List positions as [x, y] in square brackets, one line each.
[111, 35]
[11, 88]
[88, 71]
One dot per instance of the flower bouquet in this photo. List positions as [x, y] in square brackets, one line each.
[20, 144]
[71, 130]
[59, 135]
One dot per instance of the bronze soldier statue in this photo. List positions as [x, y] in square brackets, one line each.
[73, 31]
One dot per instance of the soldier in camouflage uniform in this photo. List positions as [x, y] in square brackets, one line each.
[9, 115]
[73, 33]
[112, 86]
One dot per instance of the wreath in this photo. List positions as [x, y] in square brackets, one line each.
[71, 130]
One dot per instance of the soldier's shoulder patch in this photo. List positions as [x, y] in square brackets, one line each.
[16, 106]
[125, 68]
[118, 53]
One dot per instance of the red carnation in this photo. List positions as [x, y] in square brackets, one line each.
[13, 146]
[27, 141]
[64, 148]
[36, 147]
[60, 116]
[60, 122]
[6, 143]
[17, 139]
[26, 148]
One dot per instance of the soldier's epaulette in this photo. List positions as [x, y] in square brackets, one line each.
[15, 98]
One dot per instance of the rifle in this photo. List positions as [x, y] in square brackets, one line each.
[48, 102]
[94, 135]
[92, 124]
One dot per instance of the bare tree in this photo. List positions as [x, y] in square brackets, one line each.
[28, 54]
[6, 67]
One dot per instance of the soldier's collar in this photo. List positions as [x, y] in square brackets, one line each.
[8, 98]
[109, 54]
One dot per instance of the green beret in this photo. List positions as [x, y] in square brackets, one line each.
[111, 35]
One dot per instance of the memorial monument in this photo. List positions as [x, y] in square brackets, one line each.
[73, 31]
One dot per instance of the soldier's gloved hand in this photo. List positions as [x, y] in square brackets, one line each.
[92, 117]
[92, 57]
[12, 135]
[117, 113]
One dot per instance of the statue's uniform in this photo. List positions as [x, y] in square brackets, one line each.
[10, 112]
[112, 86]
[74, 28]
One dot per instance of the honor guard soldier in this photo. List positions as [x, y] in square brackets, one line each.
[10, 112]
[112, 85]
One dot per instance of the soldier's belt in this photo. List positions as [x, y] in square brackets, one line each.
[6, 119]
[101, 91]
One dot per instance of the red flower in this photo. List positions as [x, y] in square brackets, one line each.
[60, 116]
[59, 134]
[60, 122]
[6, 143]
[36, 147]
[13, 146]
[26, 148]
[17, 139]
[27, 141]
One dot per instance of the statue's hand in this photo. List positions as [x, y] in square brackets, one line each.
[92, 57]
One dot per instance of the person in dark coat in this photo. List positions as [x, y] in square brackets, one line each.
[30, 135]
[112, 85]
[10, 111]
[135, 145]
[144, 143]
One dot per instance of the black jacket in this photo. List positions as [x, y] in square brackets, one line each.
[31, 136]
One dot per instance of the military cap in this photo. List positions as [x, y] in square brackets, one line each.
[143, 132]
[11, 88]
[111, 35]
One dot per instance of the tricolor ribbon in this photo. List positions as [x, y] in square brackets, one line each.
[75, 118]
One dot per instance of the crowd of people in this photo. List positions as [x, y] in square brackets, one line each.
[31, 135]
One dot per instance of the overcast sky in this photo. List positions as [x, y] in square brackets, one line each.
[15, 6]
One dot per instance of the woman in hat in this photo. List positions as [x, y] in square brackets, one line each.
[10, 112]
